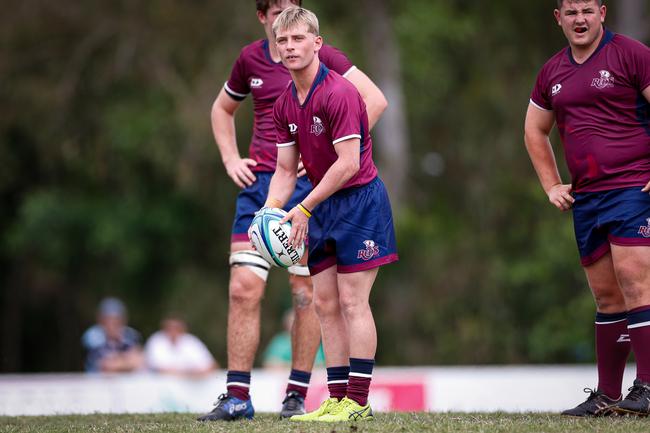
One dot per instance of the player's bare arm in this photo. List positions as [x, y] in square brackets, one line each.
[223, 128]
[646, 94]
[373, 97]
[343, 169]
[537, 129]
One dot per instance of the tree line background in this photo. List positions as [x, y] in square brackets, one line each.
[111, 184]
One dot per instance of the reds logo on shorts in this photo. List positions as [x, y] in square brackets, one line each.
[369, 252]
[645, 230]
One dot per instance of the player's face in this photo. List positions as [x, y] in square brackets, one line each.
[581, 22]
[297, 47]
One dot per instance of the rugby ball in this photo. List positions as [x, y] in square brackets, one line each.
[271, 239]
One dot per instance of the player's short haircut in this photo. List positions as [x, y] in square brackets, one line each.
[295, 16]
[561, 2]
[264, 5]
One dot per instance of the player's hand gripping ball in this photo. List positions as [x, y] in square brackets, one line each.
[271, 239]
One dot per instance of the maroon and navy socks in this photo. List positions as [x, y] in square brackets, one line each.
[359, 381]
[337, 381]
[638, 326]
[238, 384]
[616, 335]
[299, 382]
[612, 350]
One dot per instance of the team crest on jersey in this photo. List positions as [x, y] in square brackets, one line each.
[556, 89]
[293, 128]
[371, 250]
[645, 230]
[317, 127]
[605, 80]
[256, 83]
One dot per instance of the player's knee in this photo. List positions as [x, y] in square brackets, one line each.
[325, 306]
[609, 298]
[302, 297]
[243, 293]
[633, 285]
[352, 305]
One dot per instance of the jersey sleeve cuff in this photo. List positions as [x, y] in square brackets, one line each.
[347, 137]
[352, 68]
[291, 143]
[539, 106]
[235, 95]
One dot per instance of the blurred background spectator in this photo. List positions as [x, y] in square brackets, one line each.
[277, 354]
[173, 350]
[111, 345]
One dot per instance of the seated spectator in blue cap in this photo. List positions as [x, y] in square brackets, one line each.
[111, 345]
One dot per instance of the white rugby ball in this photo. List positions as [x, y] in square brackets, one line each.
[271, 239]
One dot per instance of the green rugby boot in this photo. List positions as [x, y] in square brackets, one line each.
[348, 410]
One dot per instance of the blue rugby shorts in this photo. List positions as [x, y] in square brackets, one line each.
[619, 217]
[352, 229]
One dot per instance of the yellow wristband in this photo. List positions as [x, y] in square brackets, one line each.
[273, 202]
[304, 210]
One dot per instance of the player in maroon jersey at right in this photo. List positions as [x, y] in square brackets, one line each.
[597, 91]
[259, 72]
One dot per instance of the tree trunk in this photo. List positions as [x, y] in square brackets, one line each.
[385, 70]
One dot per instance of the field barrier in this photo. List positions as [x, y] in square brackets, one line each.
[440, 389]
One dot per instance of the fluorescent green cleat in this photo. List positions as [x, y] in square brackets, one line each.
[348, 410]
[326, 407]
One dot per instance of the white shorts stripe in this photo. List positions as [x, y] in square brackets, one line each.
[232, 92]
[347, 137]
[295, 382]
[348, 71]
[538, 106]
[609, 323]
[291, 143]
[355, 374]
[242, 384]
[329, 382]
[638, 325]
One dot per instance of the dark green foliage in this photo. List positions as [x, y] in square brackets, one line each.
[111, 182]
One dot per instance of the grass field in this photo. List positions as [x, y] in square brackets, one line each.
[384, 423]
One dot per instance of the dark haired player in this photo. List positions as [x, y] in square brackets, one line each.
[597, 92]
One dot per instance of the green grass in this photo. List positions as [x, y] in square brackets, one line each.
[384, 423]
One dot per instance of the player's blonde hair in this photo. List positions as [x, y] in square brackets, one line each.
[295, 16]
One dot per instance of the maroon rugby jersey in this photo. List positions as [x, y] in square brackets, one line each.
[332, 112]
[255, 72]
[601, 114]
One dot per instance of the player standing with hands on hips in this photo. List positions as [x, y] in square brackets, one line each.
[258, 71]
[322, 119]
[598, 91]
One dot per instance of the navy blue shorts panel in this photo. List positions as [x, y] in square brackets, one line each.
[252, 198]
[619, 217]
[353, 229]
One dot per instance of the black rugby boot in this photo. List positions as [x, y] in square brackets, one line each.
[637, 402]
[597, 404]
[293, 404]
